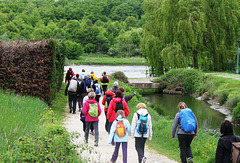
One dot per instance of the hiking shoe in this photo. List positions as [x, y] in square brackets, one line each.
[190, 160]
[113, 143]
[74, 112]
[144, 159]
[71, 109]
[112, 161]
[92, 133]
[96, 144]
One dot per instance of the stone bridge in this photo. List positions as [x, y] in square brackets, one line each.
[143, 83]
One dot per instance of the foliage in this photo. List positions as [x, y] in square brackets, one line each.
[181, 34]
[189, 79]
[51, 144]
[92, 25]
[222, 96]
[120, 76]
[192, 81]
[236, 113]
[19, 117]
[38, 136]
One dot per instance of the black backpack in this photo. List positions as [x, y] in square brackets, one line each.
[104, 79]
[119, 106]
[69, 75]
[108, 100]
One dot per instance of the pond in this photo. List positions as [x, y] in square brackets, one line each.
[208, 118]
[129, 71]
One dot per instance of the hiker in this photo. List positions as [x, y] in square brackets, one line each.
[127, 97]
[97, 89]
[185, 136]
[119, 132]
[109, 95]
[73, 90]
[92, 111]
[85, 84]
[79, 96]
[82, 75]
[82, 116]
[93, 76]
[69, 75]
[141, 130]
[116, 104]
[224, 147]
[105, 80]
[115, 86]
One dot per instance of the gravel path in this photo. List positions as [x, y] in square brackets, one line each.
[104, 151]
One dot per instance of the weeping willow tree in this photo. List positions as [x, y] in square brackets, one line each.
[189, 33]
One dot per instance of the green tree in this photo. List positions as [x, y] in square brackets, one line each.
[73, 49]
[185, 31]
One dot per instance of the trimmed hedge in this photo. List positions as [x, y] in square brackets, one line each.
[32, 68]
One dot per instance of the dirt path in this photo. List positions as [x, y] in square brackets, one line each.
[104, 151]
[225, 75]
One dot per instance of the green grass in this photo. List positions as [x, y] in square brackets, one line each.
[31, 131]
[19, 116]
[105, 60]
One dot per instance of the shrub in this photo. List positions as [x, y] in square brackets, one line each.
[120, 76]
[236, 113]
[233, 101]
[222, 96]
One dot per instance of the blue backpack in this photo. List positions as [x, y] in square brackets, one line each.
[89, 82]
[97, 89]
[142, 126]
[187, 120]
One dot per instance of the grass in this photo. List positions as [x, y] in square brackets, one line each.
[31, 131]
[106, 60]
[19, 116]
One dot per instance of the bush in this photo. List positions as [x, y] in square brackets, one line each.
[233, 101]
[222, 96]
[51, 143]
[120, 76]
[236, 113]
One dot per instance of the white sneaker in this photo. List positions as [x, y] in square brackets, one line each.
[144, 159]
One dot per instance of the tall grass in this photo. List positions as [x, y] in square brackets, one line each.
[19, 116]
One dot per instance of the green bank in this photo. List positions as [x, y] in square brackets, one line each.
[101, 59]
[31, 131]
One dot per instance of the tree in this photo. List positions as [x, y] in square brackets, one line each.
[73, 49]
[185, 31]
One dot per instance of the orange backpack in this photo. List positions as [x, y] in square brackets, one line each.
[120, 130]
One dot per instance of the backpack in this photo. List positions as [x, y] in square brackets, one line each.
[93, 110]
[104, 79]
[187, 120]
[108, 100]
[89, 82]
[235, 152]
[69, 75]
[97, 89]
[84, 90]
[119, 106]
[73, 86]
[142, 126]
[120, 129]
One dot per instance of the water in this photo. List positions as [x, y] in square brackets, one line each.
[208, 118]
[129, 71]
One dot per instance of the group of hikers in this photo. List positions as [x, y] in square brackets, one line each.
[86, 91]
